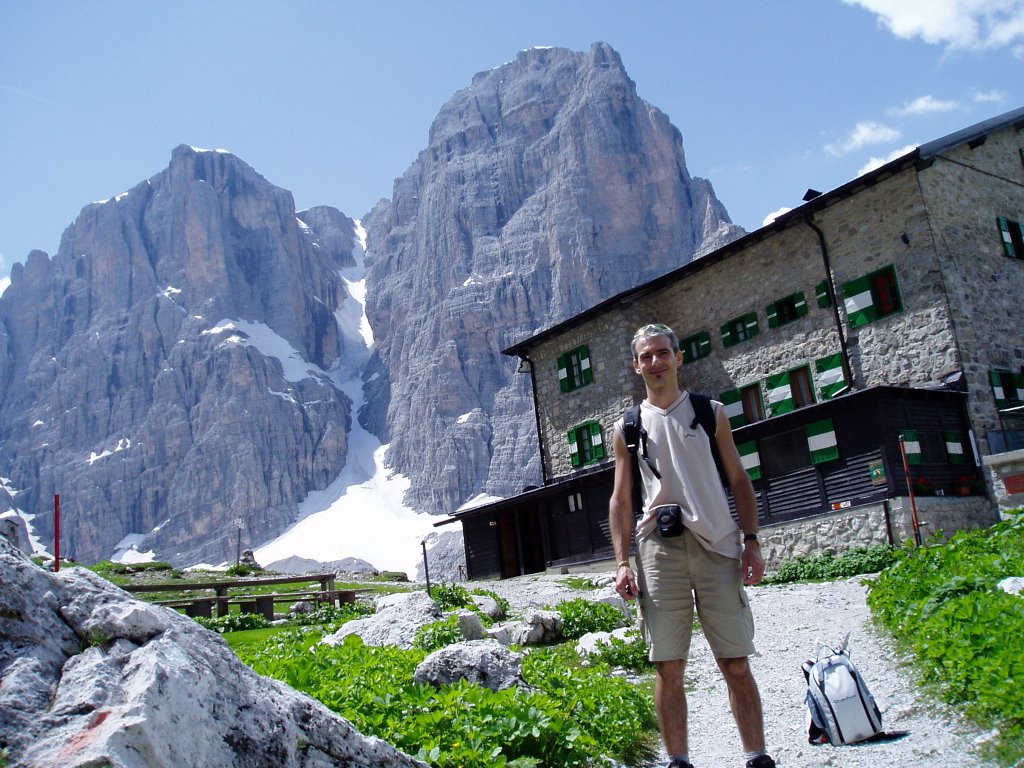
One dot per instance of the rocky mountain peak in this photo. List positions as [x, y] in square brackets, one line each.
[547, 186]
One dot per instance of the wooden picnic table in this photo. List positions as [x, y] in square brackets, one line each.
[264, 603]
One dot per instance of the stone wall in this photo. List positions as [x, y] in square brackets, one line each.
[1007, 478]
[874, 525]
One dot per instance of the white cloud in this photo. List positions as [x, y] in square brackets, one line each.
[878, 162]
[957, 24]
[774, 215]
[923, 105]
[864, 134]
[989, 97]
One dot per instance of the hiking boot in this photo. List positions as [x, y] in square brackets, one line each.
[679, 764]
[761, 761]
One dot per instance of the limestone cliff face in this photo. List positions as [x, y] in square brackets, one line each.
[547, 186]
[142, 365]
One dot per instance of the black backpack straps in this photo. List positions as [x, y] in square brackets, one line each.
[631, 428]
[631, 434]
[705, 416]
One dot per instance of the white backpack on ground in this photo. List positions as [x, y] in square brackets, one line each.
[841, 708]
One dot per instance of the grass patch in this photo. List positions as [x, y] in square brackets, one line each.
[943, 602]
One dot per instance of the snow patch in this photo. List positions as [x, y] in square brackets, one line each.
[122, 445]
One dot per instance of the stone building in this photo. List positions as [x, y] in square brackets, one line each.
[867, 346]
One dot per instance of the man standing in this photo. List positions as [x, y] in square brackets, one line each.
[688, 547]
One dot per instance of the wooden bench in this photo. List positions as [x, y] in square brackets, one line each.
[258, 603]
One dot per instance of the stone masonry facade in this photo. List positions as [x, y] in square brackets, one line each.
[932, 219]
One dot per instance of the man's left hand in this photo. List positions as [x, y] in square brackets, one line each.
[752, 563]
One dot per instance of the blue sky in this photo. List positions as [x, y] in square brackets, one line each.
[334, 100]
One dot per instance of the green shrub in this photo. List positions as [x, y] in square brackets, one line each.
[828, 566]
[630, 653]
[449, 597]
[235, 622]
[330, 615]
[967, 635]
[572, 717]
[431, 637]
[580, 616]
[241, 569]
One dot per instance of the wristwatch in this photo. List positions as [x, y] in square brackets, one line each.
[749, 537]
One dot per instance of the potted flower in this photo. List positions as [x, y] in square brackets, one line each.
[966, 485]
[924, 487]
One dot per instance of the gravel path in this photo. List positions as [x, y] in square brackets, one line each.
[789, 620]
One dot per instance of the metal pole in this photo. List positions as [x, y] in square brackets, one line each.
[910, 492]
[426, 568]
[56, 532]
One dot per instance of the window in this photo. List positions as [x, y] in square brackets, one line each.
[753, 403]
[872, 297]
[743, 405]
[822, 295]
[1007, 387]
[695, 347]
[786, 310]
[574, 369]
[1013, 237]
[829, 377]
[739, 329]
[788, 391]
[586, 445]
[924, 447]
[785, 453]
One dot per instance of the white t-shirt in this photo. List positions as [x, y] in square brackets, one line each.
[689, 476]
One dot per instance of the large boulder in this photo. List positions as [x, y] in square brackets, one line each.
[395, 622]
[90, 676]
[484, 662]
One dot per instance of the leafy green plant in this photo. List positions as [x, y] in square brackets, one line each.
[580, 616]
[431, 637]
[449, 597]
[241, 569]
[630, 653]
[828, 566]
[235, 622]
[571, 717]
[334, 616]
[967, 635]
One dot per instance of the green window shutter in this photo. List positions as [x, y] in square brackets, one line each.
[563, 373]
[829, 376]
[1018, 384]
[732, 400]
[574, 449]
[751, 322]
[727, 338]
[780, 394]
[695, 347]
[912, 446]
[750, 458]
[596, 441]
[860, 305]
[821, 293]
[772, 310]
[821, 439]
[997, 389]
[1004, 232]
[801, 304]
[586, 372]
[955, 448]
